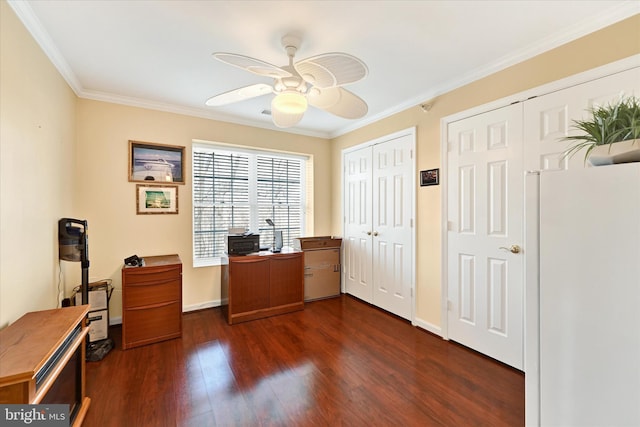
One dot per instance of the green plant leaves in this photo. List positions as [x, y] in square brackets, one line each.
[608, 124]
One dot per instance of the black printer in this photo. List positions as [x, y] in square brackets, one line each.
[242, 244]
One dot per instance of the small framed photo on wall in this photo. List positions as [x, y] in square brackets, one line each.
[429, 177]
[156, 199]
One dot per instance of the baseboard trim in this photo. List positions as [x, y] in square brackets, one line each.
[429, 327]
[423, 324]
[201, 306]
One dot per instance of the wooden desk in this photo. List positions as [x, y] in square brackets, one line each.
[261, 285]
[152, 301]
[41, 354]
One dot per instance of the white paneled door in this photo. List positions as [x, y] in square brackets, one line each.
[379, 206]
[486, 159]
[358, 235]
[485, 234]
[549, 118]
[392, 229]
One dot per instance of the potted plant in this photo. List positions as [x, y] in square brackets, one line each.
[610, 135]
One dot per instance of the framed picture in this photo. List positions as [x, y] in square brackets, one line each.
[156, 162]
[429, 177]
[156, 199]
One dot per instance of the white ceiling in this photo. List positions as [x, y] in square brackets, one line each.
[157, 54]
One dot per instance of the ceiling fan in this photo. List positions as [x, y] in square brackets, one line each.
[315, 81]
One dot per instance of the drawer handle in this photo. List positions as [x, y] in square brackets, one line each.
[146, 307]
[284, 257]
[247, 260]
[152, 282]
[144, 271]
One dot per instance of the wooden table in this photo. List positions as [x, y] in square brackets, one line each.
[261, 285]
[41, 354]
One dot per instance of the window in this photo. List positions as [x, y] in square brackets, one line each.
[243, 188]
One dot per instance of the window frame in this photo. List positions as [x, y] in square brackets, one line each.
[254, 225]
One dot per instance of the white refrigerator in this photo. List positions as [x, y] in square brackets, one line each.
[582, 268]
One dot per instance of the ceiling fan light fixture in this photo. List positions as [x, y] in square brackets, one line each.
[290, 102]
[283, 120]
[315, 81]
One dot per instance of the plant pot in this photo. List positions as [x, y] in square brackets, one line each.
[618, 152]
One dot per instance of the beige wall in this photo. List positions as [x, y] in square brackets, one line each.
[107, 199]
[45, 128]
[610, 44]
[67, 157]
[37, 165]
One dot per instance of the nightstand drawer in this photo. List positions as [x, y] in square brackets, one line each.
[136, 276]
[151, 293]
[153, 324]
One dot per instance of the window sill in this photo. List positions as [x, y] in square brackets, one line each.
[207, 262]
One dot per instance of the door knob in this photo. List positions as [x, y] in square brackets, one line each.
[514, 249]
[368, 233]
[375, 233]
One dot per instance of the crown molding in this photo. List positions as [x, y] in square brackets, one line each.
[190, 111]
[25, 13]
[573, 32]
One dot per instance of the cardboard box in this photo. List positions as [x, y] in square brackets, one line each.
[97, 299]
[321, 274]
[98, 317]
[98, 295]
[320, 242]
[99, 325]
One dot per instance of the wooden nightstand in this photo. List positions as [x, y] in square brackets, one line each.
[152, 301]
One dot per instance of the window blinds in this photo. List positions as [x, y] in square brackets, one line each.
[243, 189]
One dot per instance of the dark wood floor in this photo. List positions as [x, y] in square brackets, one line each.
[338, 362]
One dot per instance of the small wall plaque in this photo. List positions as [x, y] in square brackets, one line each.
[429, 177]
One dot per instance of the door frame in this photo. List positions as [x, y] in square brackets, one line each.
[564, 83]
[404, 132]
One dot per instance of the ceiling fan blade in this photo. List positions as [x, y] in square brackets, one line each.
[338, 101]
[252, 65]
[240, 94]
[331, 69]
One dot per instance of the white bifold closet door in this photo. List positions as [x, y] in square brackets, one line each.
[378, 241]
